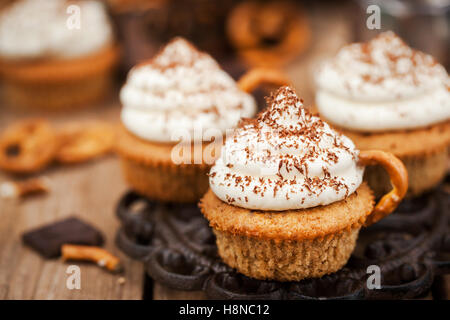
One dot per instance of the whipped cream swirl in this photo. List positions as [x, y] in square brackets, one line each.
[38, 28]
[383, 85]
[285, 159]
[181, 94]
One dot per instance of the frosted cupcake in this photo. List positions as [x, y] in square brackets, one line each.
[173, 107]
[385, 95]
[56, 54]
[287, 197]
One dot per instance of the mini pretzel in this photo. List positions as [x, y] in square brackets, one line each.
[95, 254]
[399, 180]
[19, 189]
[27, 146]
[268, 34]
[255, 77]
[79, 143]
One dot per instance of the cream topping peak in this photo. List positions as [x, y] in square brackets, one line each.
[285, 159]
[179, 52]
[39, 28]
[181, 89]
[381, 69]
[383, 85]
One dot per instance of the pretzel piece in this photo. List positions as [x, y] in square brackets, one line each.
[27, 146]
[258, 76]
[399, 180]
[19, 189]
[83, 142]
[270, 33]
[100, 256]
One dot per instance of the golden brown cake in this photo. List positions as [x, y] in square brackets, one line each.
[173, 107]
[52, 60]
[149, 169]
[292, 244]
[59, 84]
[384, 95]
[286, 198]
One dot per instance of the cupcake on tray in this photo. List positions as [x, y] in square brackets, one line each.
[55, 54]
[287, 197]
[384, 95]
[176, 109]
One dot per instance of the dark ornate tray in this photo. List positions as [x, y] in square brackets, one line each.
[177, 247]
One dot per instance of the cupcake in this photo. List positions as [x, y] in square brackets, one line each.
[287, 197]
[176, 109]
[384, 95]
[55, 54]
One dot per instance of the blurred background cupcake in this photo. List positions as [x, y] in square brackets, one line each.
[171, 104]
[385, 95]
[56, 54]
[423, 24]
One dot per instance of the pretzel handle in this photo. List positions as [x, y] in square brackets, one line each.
[399, 180]
[257, 76]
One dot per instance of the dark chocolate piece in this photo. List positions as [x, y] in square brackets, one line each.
[47, 240]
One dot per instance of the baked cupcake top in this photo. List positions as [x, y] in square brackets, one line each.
[45, 28]
[285, 159]
[182, 94]
[383, 85]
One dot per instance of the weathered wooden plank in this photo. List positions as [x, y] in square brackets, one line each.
[88, 191]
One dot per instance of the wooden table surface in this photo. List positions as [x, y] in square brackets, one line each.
[91, 190]
[88, 191]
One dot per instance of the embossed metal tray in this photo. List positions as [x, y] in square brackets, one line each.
[177, 247]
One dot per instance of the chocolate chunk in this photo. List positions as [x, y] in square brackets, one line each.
[47, 240]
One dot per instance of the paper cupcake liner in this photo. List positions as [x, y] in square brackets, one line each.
[404, 143]
[58, 96]
[149, 169]
[59, 84]
[170, 183]
[286, 260]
